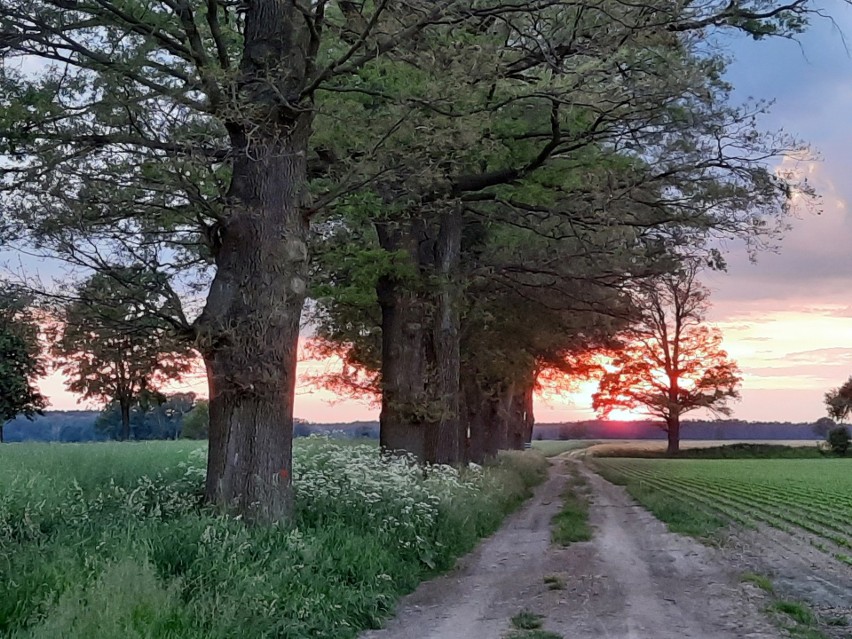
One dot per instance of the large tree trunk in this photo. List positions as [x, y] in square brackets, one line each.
[444, 442]
[404, 325]
[124, 407]
[521, 416]
[249, 330]
[481, 414]
[401, 417]
[420, 341]
[252, 319]
[673, 435]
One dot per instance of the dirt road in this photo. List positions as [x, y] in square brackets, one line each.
[635, 580]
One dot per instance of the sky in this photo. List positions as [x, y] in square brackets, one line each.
[787, 318]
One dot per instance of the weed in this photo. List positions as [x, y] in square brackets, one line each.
[554, 582]
[799, 632]
[526, 620]
[111, 540]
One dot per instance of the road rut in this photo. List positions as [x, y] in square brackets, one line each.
[634, 580]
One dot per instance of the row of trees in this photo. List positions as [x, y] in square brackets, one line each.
[487, 180]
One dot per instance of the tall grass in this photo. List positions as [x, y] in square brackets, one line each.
[111, 540]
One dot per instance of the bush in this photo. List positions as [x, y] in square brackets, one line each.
[838, 440]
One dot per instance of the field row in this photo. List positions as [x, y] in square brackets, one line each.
[814, 496]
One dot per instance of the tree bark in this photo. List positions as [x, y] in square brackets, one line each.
[401, 421]
[481, 415]
[521, 417]
[673, 435]
[445, 444]
[248, 332]
[420, 341]
[252, 322]
[252, 319]
[488, 413]
[124, 406]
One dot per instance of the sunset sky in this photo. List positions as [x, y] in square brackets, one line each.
[788, 318]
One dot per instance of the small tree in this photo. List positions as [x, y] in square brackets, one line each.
[671, 363]
[20, 359]
[112, 344]
[838, 401]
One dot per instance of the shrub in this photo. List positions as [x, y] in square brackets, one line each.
[838, 440]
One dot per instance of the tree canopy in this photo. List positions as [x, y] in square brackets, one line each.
[838, 401]
[113, 345]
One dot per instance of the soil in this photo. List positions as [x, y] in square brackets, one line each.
[800, 571]
[634, 580]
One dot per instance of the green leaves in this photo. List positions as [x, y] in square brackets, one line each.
[21, 361]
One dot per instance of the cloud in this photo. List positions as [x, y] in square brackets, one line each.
[821, 356]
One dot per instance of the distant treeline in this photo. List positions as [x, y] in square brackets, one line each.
[82, 426]
[697, 429]
[93, 426]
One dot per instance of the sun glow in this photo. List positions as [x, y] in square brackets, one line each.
[577, 396]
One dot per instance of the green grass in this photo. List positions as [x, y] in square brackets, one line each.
[798, 612]
[761, 581]
[571, 523]
[553, 447]
[111, 541]
[702, 496]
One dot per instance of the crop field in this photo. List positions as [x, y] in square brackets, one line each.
[112, 541]
[812, 496]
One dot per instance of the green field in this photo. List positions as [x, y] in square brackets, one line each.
[700, 496]
[110, 541]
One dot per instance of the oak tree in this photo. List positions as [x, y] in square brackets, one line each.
[671, 363]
